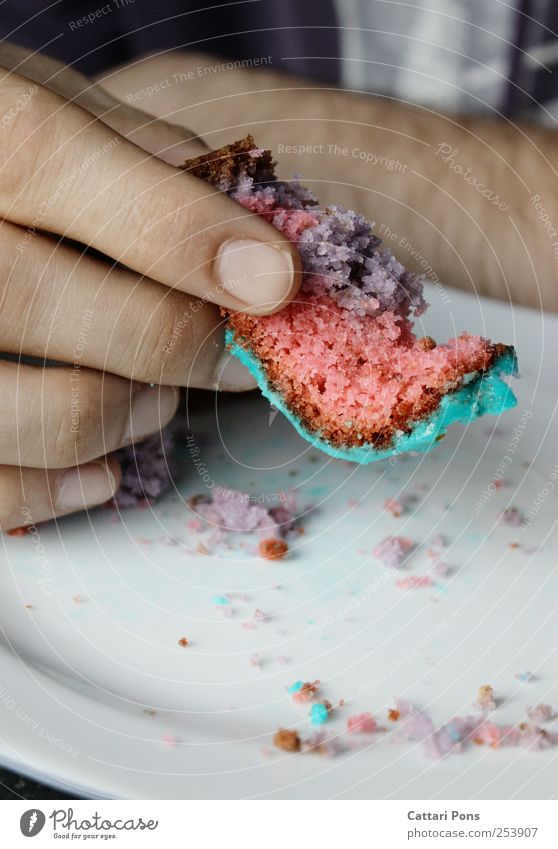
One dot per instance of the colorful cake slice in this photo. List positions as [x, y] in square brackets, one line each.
[342, 361]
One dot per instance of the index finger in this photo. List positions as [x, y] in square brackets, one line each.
[64, 171]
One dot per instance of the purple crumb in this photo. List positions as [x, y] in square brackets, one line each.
[146, 469]
[393, 550]
[231, 510]
[512, 516]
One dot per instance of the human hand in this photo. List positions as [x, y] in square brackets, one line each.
[142, 311]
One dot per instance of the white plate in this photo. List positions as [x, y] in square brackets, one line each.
[76, 678]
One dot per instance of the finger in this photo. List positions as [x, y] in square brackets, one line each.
[97, 188]
[28, 496]
[62, 305]
[59, 417]
[170, 142]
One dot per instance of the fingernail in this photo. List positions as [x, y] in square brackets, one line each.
[255, 273]
[231, 376]
[152, 408]
[85, 486]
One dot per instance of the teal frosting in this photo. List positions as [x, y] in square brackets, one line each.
[485, 394]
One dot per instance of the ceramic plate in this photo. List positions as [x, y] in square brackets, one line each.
[97, 695]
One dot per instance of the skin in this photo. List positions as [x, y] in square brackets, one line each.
[441, 203]
[77, 167]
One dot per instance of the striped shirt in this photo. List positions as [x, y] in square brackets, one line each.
[476, 56]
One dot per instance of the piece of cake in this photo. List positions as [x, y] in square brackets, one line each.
[342, 361]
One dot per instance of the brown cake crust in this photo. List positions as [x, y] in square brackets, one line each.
[224, 166]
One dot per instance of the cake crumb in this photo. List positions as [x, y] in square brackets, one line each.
[394, 506]
[273, 549]
[485, 698]
[183, 641]
[525, 676]
[288, 741]
[320, 712]
[393, 550]
[363, 723]
[540, 713]
[488, 734]
[303, 691]
[512, 516]
[414, 582]
[440, 568]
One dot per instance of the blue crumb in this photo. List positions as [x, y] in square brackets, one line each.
[319, 714]
[220, 599]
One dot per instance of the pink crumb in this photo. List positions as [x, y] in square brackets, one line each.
[362, 723]
[414, 582]
[489, 734]
[399, 506]
[393, 550]
[393, 506]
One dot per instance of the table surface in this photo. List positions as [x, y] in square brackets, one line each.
[15, 786]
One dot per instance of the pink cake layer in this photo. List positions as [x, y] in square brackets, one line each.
[352, 378]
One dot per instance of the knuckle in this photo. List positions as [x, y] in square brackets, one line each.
[167, 343]
[75, 434]
[170, 227]
[15, 300]
[25, 109]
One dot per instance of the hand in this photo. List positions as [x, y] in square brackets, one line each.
[141, 311]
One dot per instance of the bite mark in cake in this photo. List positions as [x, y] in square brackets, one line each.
[342, 360]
